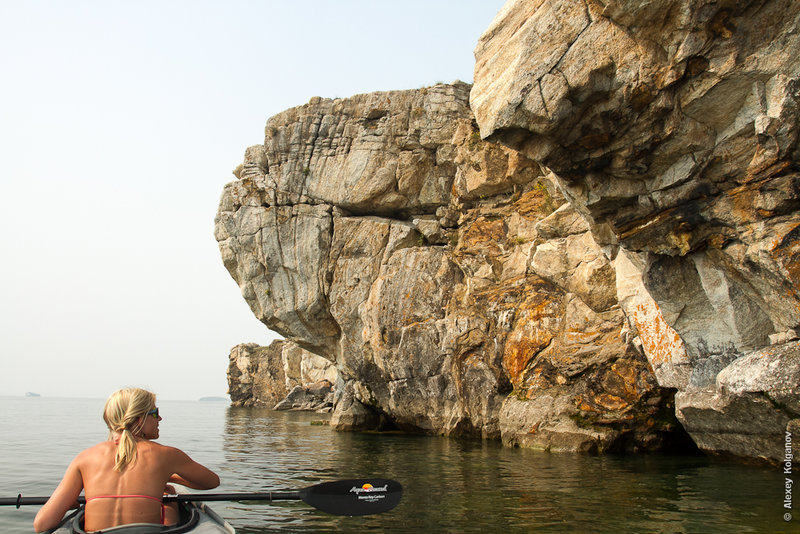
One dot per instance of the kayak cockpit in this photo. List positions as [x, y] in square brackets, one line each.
[194, 517]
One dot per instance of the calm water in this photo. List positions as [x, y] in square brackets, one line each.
[449, 485]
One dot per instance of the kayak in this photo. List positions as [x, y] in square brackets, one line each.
[196, 517]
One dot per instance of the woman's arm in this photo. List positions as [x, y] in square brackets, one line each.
[191, 474]
[63, 498]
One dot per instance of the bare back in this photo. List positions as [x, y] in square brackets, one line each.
[93, 471]
[147, 477]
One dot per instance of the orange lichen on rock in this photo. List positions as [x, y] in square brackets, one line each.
[535, 204]
[610, 402]
[519, 353]
[660, 341]
[786, 250]
[485, 235]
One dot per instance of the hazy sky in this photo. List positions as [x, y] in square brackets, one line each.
[121, 122]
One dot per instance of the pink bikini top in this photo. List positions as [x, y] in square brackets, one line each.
[157, 499]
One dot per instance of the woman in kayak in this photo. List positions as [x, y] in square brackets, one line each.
[125, 477]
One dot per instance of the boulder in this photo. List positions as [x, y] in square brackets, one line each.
[317, 397]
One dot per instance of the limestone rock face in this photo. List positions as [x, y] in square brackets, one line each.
[256, 375]
[671, 128]
[316, 397]
[449, 280]
[266, 376]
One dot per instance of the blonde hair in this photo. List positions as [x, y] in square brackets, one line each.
[125, 414]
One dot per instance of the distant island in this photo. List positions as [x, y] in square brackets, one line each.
[32, 394]
[214, 399]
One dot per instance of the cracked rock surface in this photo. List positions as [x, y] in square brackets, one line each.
[671, 127]
[594, 248]
[448, 279]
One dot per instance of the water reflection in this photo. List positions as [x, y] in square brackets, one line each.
[475, 486]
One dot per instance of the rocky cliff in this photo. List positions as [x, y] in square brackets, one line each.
[280, 376]
[672, 129]
[608, 216]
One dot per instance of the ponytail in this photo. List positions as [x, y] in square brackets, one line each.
[126, 451]
[125, 413]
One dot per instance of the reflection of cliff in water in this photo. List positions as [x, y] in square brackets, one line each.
[472, 485]
[272, 444]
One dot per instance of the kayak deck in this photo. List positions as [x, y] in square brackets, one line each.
[196, 518]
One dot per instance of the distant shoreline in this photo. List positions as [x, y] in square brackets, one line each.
[32, 395]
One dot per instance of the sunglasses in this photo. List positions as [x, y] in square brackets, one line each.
[154, 413]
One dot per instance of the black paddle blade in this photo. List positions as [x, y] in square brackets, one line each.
[360, 496]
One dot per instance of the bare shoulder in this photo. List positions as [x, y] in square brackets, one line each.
[165, 450]
[93, 452]
[87, 459]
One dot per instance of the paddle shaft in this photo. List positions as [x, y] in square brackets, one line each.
[186, 497]
[342, 497]
[265, 496]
